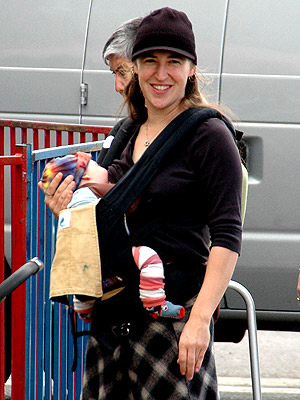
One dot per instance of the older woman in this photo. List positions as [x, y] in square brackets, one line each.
[117, 53]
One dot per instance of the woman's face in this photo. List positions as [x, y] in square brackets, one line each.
[162, 77]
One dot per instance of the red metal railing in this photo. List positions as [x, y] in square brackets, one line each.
[18, 251]
[46, 134]
[40, 135]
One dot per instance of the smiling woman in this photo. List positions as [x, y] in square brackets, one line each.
[189, 212]
[196, 198]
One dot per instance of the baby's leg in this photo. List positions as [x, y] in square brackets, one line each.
[83, 305]
[152, 285]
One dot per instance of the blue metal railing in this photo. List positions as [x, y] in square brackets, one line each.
[49, 339]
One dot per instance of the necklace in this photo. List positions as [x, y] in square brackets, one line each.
[147, 141]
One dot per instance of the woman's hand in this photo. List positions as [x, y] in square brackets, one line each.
[193, 344]
[195, 336]
[57, 198]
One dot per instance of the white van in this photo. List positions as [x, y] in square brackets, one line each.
[51, 69]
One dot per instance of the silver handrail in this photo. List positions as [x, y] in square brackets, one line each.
[252, 330]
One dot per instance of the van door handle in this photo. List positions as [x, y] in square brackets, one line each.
[83, 94]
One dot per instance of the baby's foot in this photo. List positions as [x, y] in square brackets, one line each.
[168, 310]
[87, 318]
[84, 308]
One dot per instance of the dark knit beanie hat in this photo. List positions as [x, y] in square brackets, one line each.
[166, 29]
[71, 164]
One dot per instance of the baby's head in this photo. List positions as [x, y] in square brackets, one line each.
[71, 164]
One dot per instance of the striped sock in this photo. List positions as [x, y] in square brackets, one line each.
[152, 285]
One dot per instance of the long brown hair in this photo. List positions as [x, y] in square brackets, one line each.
[135, 100]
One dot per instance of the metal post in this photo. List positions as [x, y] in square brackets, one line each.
[18, 257]
[252, 330]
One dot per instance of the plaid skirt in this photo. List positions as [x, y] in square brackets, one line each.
[144, 366]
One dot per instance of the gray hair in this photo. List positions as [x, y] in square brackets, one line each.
[121, 42]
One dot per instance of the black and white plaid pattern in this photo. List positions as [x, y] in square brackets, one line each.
[146, 367]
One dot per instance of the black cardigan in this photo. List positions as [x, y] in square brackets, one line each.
[197, 197]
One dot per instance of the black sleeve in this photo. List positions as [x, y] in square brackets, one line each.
[217, 162]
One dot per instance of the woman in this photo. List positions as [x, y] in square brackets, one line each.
[197, 196]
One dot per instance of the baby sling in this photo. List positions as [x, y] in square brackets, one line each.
[114, 242]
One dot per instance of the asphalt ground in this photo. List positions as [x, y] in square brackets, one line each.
[279, 363]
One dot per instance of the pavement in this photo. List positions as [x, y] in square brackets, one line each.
[279, 363]
[288, 386]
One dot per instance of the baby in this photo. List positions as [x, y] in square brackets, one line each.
[91, 183]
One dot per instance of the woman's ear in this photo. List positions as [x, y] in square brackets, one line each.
[192, 71]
